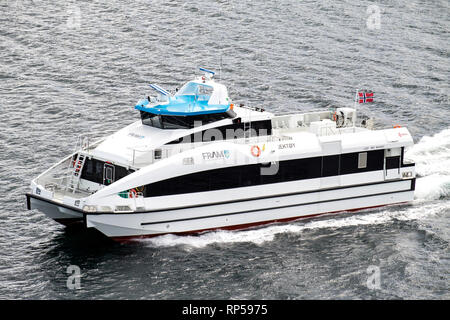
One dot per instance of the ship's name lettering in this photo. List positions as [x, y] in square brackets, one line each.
[213, 155]
[286, 146]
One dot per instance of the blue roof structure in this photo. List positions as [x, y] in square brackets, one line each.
[194, 98]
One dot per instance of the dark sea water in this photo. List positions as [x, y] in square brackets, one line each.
[74, 67]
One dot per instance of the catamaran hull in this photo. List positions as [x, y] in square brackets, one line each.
[56, 211]
[249, 213]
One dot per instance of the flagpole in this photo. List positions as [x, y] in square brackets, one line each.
[354, 106]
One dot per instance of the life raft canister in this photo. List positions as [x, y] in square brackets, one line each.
[255, 151]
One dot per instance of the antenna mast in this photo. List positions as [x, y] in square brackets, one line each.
[220, 68]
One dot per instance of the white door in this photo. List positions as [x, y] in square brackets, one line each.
[332, 151]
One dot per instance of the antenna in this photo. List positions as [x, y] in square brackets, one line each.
[220, 68]
[207, 71]
[159, 89]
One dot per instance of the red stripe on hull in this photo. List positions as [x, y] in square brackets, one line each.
[244, 226]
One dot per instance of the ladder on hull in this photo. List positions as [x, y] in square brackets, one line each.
[75, 169]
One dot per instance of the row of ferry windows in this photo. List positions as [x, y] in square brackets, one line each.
[258, 174]
[180, 122]
[232, 131]
[96, 171]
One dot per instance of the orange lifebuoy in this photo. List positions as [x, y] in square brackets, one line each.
[133, 193]
[256, 151]
[397, 126]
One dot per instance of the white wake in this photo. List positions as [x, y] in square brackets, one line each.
[432, 158]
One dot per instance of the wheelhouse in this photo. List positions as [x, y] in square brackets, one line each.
[198, 102]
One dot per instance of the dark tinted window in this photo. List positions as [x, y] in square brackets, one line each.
[300, 169]
[225, 178]
[392, 162]
[93, 171]
[234, 177]
[349, 162]
[180, 122]
[330, 165]
[231, 131]
[251, 175]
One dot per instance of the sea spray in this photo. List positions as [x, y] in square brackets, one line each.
[432, 157]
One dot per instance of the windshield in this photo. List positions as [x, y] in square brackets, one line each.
[192, 88]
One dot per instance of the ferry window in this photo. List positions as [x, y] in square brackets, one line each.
[122, 172]
[362, 160]
[270, 172]
[197, 182]
[289, 170]
[150, 119]
[392, 162]
[375, 160]
[250, 175]
[193, 88]
[93, 171]
[330, 165]
[172, 122]
[180, 122]
[300, 169]
[228, 132]
[350, 162]
[204, 93]
[108, 175]
[225, 178]
[263, 128]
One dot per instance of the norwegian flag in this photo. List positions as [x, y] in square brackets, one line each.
[365, 96]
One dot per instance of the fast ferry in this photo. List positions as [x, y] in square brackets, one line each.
[195, 161]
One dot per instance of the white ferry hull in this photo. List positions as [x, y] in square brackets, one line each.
[59, 213]
[248, 213]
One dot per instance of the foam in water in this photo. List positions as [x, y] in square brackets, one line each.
[264, 234]
[432, 157]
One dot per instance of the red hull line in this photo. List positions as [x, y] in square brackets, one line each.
[244, 226]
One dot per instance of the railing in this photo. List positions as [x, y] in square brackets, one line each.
[153, 155]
